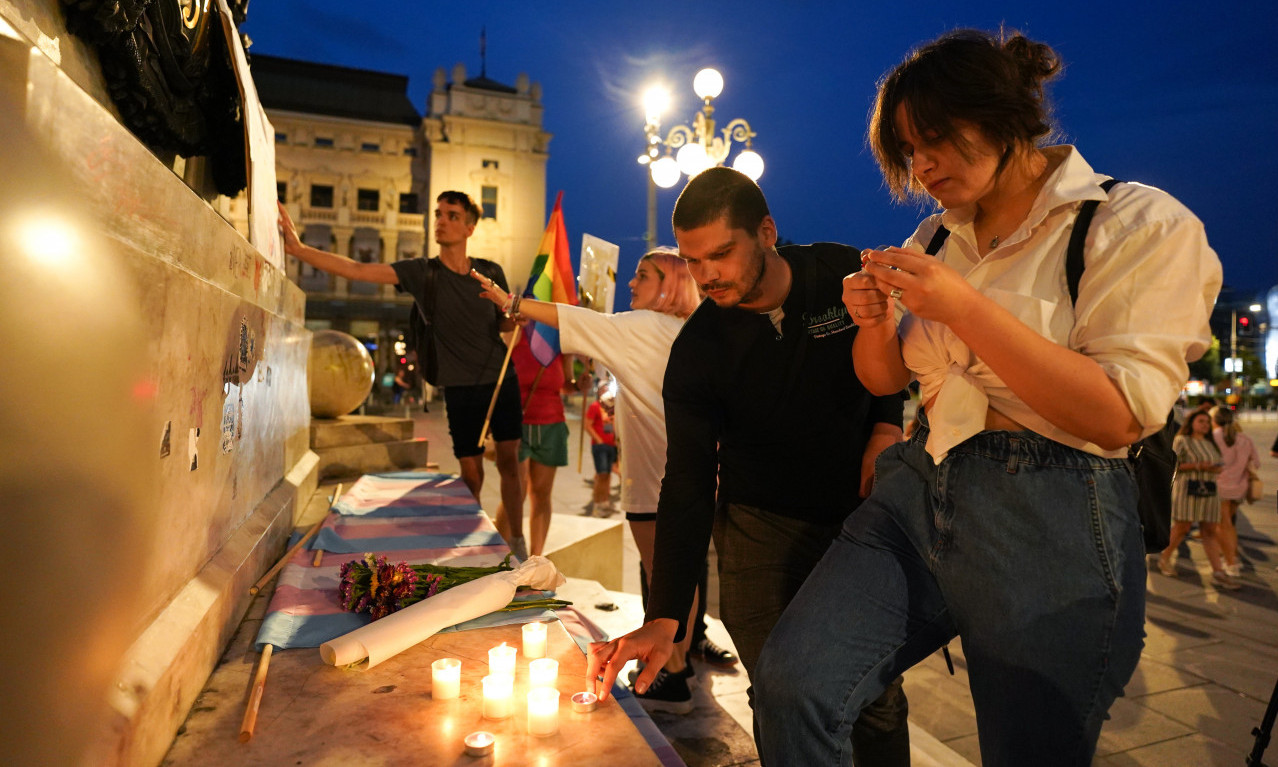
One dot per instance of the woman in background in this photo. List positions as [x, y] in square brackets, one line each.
[1241, 462]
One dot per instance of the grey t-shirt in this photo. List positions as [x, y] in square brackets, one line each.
[467, 340]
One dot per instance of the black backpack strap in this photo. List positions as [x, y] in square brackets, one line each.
[937, 241]
[1074, 253]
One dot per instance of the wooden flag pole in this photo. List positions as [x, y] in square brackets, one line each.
[514, 339]
[255, 697]
[265, 579]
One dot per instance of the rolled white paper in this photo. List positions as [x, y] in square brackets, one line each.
[399, 631]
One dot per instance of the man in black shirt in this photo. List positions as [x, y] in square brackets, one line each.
[771, 438]
[460, 350]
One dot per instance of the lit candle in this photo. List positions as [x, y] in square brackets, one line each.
[543, 672]
[499, 692]
[543, 711]
[534, 640]
[480, 743]
[584, 702]
[501, 660]
[445, 679]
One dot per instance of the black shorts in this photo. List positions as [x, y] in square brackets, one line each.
[467, 406]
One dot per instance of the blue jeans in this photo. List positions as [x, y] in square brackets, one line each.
[1028, 550]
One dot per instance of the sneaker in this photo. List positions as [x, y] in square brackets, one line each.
[519, 547]
[1166, 567]
[689, 674]
[1222, 580]
[1234, 570]
[713, 654]
[668, 693]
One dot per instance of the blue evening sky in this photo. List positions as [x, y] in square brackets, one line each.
[1179, 95]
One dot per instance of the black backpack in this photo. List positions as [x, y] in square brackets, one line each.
[1152, 458]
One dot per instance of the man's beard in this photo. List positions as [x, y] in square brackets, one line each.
[753, 279]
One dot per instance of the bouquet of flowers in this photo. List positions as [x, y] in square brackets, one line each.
[374, 586]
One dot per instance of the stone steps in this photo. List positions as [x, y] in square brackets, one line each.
[352, 445]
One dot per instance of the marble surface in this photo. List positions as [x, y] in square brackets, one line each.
[318, 715]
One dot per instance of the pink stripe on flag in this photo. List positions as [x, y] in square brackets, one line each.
[383, 527]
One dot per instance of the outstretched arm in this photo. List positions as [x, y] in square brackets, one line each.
[331, 262]
[545, 312]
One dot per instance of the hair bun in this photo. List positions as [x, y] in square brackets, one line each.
[1037, 62]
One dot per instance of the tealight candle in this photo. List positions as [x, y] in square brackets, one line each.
[584, 702]
[534, 640]
[445, 679]
[501, 660]
[480, 743]
[543, 711]
[543, 672]
[499, 692]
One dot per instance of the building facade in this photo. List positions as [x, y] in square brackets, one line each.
[359, 169]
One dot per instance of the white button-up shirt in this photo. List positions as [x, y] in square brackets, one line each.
[1148, 286]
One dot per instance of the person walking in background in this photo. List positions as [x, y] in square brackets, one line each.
[598, 423]
[543, 446]
[1194, 497]
[1239, 463]
[635, 347]
[1009, 518]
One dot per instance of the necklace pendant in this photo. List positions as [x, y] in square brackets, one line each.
[994, 242]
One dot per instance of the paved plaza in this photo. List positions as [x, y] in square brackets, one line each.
[1208, 670]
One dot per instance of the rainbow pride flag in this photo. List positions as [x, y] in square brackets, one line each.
[551, 279]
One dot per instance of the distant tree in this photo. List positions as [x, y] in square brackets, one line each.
[1209, 367]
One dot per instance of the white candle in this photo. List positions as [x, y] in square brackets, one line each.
[534, 640]
[498, 696]
[584, 702]
[445, 679]
[480, 743]
[543, 672]
[543, 711]
[501, 660]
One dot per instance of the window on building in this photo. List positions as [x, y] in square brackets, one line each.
[281, 190]
[281, 137]
[323, 141]
[491, 164]
[408, 202]
[369, 146]
[488, 196]
[367, 199]
[410, 151]
[321, 196]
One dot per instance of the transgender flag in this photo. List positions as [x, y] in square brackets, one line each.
[551, 279]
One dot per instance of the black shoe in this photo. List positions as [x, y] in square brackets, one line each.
[689, 674]
[713, 654]
[668, 692]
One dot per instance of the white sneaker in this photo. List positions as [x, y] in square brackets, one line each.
[1234, 570]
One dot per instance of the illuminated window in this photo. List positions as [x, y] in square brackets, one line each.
[489, 202]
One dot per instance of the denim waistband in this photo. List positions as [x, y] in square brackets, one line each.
[1027, 447]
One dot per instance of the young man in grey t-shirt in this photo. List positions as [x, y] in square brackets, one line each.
[468, 349]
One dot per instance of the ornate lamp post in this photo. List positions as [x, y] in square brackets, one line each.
[690, 150]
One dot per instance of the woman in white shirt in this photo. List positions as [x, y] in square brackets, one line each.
[635, 347]
[1009, 517]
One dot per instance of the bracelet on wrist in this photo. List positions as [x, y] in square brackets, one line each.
[505, 307]
[514, 306]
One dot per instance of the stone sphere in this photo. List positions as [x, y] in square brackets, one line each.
[339, 373]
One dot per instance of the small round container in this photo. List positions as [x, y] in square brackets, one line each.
[584, 702]
[480, 743]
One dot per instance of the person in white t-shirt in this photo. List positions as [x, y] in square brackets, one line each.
[635, 347]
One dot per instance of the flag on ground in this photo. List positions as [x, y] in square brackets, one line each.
[551, 279]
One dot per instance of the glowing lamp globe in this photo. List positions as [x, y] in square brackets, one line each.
[692, 159]
[665, 172]
[707, 84]
[339, 373]
[750, 163]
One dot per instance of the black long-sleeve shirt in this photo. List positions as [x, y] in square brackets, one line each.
[777, 421]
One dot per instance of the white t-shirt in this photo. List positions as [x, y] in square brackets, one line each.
[635, 347]
[1148, 286]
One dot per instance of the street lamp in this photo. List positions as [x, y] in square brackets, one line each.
[694, 148]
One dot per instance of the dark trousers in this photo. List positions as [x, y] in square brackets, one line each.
[763, 560]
